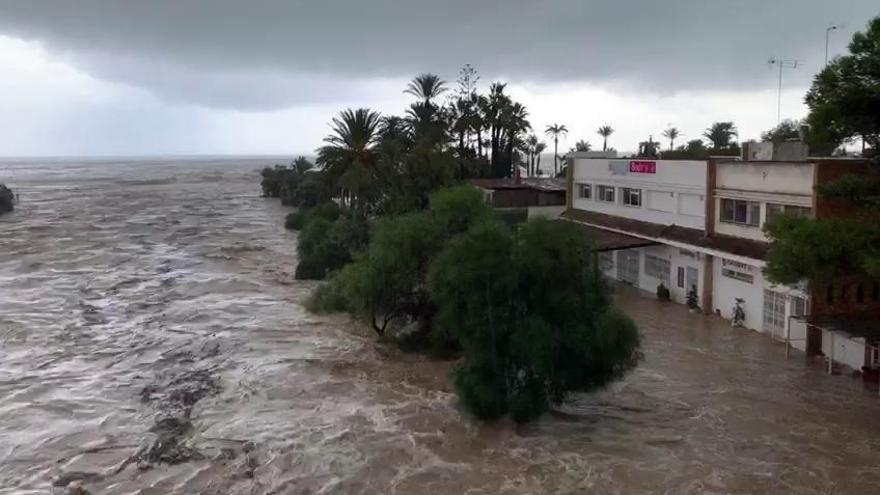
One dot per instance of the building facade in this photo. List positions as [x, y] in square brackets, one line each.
[704, 222]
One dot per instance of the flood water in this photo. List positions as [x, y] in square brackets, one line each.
[142, 297]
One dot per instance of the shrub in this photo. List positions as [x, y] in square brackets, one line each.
[692, 299]
[326, 245]
[662, 292]
[297, 220]
[533, 318]
[7, 199]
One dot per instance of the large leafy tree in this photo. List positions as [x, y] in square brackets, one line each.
[844, 104]
[844, 99]
[532, 315]
[554, 131]
[785, 130]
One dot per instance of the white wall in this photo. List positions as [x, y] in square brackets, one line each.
[847, 350]
[676, 259]
[682, 181]
[797, 334]
[725, 290]
[768, 177]
[761, 182]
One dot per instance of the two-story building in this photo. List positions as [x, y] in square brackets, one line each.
[703, 225]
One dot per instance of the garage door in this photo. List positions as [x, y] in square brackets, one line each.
[628, 266]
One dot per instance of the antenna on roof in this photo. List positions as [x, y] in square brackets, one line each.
[782, 63]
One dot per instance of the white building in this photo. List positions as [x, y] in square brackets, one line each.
[703, 221]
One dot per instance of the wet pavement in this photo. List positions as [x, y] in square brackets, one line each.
[152, 341]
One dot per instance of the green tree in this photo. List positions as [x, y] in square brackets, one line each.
[786, 130]
[721, 135]
[605, 131]
[533, 316]
[386, 287]
[672, 134]
[555, 130]
[349, 159]
[426, 87]
[844, 99]
[821, 249]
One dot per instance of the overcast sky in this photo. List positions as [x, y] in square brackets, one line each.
[90, 77]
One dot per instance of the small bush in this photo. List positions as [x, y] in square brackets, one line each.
[325, 245]
[692, 299]
[7, 199]
[662, 292]
[297, 220]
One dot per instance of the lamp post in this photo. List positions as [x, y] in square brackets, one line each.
[828, 30]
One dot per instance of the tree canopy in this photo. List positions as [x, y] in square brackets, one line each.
[844, 99]
[532, 315]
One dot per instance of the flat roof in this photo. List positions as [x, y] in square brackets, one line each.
[548, 184]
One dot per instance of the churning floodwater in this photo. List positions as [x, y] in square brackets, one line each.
[153, 341]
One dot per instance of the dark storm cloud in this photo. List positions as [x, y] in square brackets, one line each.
[265, 54]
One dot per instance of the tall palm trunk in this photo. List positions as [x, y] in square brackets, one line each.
[555, 155]
[604, 143]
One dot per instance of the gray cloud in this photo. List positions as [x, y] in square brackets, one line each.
[254, 55]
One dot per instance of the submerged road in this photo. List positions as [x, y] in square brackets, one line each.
[152, 341]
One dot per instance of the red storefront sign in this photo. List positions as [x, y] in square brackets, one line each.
[643, 167]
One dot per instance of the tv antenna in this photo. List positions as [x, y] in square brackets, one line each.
[782, 63]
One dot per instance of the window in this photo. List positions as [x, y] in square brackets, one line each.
[657, 267]
[740, 212]
[775, 210]
[798, 306]
[585, 191]
[631, 197]
[680, 278]
[605, 193]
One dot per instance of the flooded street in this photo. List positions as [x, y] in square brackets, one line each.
[152, 341]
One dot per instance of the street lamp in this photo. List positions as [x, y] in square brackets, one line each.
[828, 30]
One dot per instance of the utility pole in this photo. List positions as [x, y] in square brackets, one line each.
[782, 64]
[828, 30]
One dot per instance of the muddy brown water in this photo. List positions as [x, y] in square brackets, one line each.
[131, 292]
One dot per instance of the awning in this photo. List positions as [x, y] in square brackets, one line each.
[606, 240]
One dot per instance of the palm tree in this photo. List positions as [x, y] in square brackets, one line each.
[605, 131]
[349, 157]
[426, 87]
[555, 130]
[720, 134]
[582, 145]
[531, 144]
[539, 148]
[672, 133]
